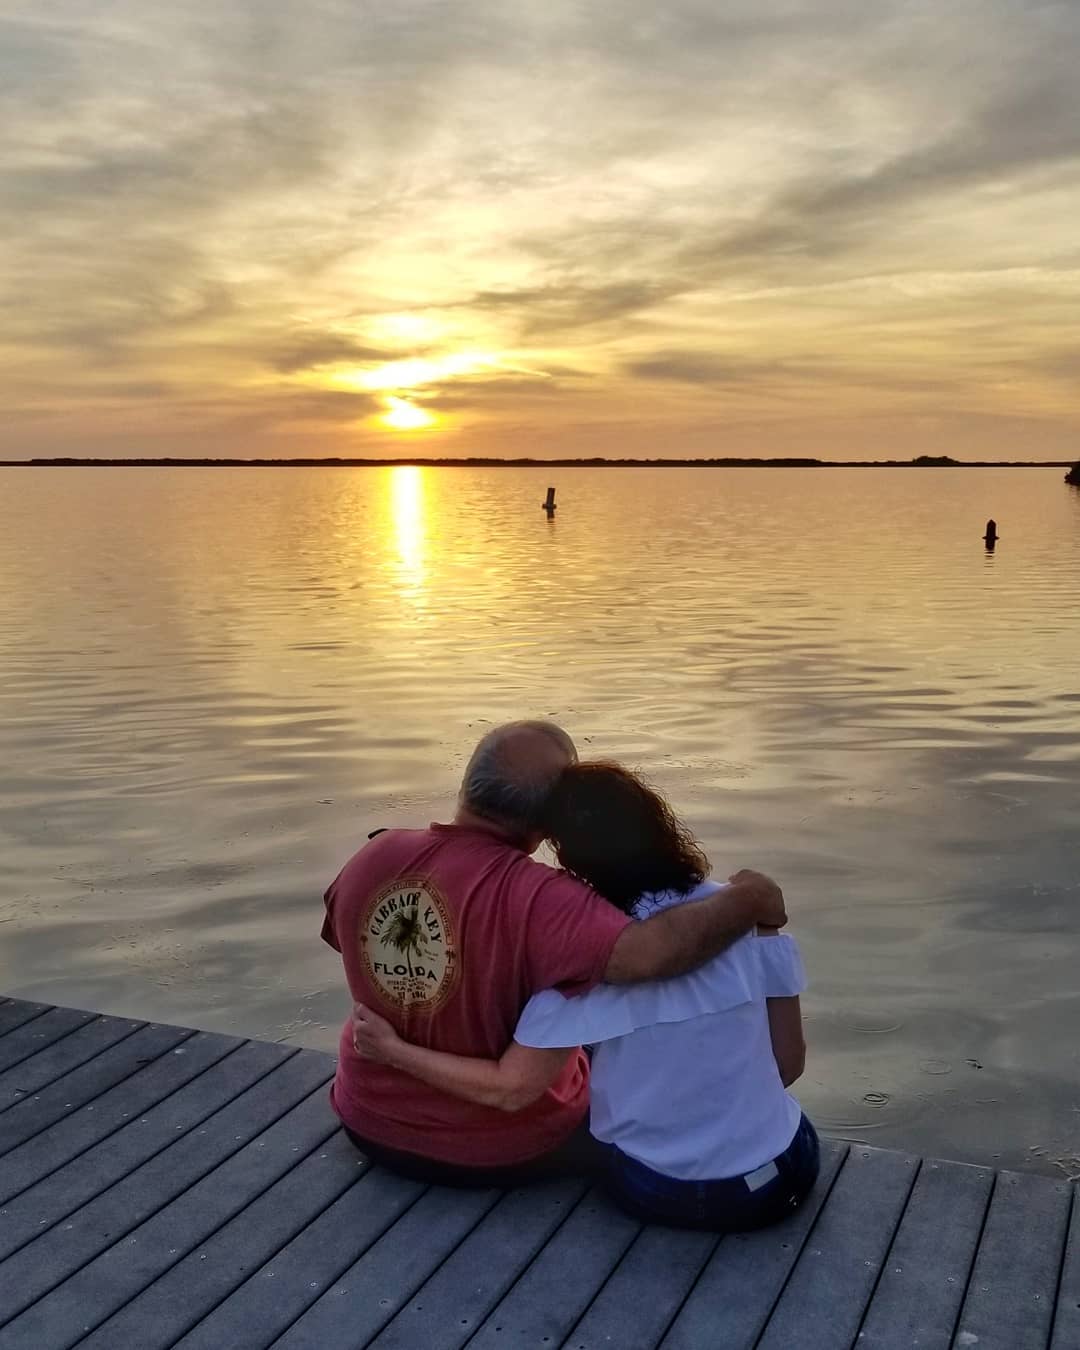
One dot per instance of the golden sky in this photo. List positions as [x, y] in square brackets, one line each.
[845, 228]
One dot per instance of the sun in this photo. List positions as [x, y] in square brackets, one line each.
[405, 416]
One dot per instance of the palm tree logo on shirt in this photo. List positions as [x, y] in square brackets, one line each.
[407, 947]
[404, 934]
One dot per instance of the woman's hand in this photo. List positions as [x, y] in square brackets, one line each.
[372, 1036]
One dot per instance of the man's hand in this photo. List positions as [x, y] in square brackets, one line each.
[686, 936]
[767, 897]
[372, 1036]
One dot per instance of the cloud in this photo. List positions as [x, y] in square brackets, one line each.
[1059, 364]
[856, 202]
[309, 351]
[561, 308]
[702, 368]
[491, 395]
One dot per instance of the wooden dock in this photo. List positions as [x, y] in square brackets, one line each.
[166, 1187]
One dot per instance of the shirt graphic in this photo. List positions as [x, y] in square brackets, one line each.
[407, 946]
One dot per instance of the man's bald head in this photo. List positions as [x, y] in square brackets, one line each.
[511, 772]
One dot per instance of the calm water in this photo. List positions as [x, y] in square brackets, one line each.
[214, 682]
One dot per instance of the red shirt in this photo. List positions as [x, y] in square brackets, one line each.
[448, 932]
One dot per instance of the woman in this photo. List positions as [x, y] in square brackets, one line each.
[689, 1075]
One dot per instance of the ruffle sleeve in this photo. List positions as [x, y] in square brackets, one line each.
[780, 965]
[551, 1020]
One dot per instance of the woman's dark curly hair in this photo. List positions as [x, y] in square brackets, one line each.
[619, 836]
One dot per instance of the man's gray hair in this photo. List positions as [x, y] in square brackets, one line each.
[504, 786]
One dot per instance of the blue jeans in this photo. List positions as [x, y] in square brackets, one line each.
[731, 1205]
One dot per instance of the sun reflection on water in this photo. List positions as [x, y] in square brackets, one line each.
[409, 524]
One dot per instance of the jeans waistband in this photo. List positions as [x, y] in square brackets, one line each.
[803, 1147]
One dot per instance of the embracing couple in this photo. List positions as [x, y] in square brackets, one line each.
[479, 974]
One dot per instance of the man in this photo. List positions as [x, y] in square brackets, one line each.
[448, 932]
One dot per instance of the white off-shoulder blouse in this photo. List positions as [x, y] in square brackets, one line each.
[683, 1074]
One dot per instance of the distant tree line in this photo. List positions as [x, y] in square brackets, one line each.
[475, 462]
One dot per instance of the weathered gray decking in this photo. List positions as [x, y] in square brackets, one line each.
[162, 1187]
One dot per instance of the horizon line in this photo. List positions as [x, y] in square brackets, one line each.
[477, 461]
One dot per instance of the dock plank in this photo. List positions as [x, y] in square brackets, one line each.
[646, 1290]
[34, 1035]
[746, 1275]
[294, 1276]
[252, 1239]
[126, 1267]
[918, 1298]
[16, 1013]
[57, 1172]
[61, 1058]
[448, 1308]
[73, 1134]
[64, 1249]
[40, 1109]
[1010, 1300]
[824, 1300]
[553, 1294]
[1066, 1335]
[370, 1292]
